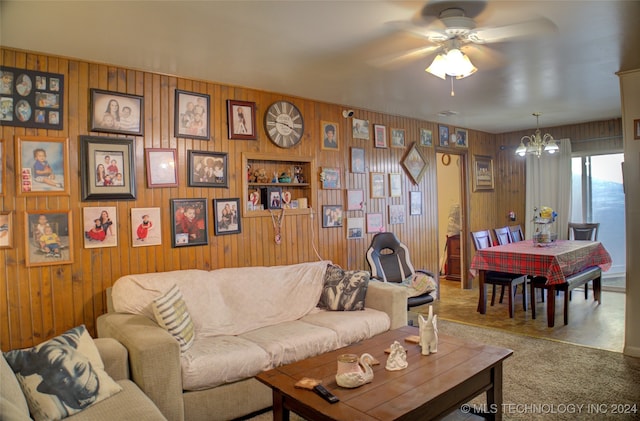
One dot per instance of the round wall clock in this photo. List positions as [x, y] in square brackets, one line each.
[284, 124]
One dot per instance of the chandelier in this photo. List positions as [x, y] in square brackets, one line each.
[536, 143]
[452, 62]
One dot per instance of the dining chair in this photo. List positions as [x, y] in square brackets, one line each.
[482, 239]
[503, 237]
[583, 231]
[515, 231]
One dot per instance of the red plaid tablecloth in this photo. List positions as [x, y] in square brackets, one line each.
[555, 261]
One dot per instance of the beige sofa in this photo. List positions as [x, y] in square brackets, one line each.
[246, 320]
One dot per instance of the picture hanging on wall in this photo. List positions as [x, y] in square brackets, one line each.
[426, 137]
[3, 173]
[48, 238]
[375, 223]
[355, 228]
[360, 128]
[146, 227]
[397, 138]
[355, 199]
[331, 216]
[396, 214]
[329, 133]
[42, 166]
[414, 164]
[357, 160]
[114, 112]
[108, 168]
[6, 230]
[415, 203]
[162, 167]
[461, 138]
[191, 119]
[100, 227]
[227, 217]
[443, 135]
[189, 222]
[379, 136]
[241, 120]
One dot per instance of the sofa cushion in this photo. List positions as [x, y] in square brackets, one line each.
[13, 405]
[419, 283]
[350, 326]
[172, 314]
[62, 376]
[344, 290]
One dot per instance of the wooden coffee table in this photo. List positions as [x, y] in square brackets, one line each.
[429, 388]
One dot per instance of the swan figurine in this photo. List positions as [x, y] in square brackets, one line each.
[358, 373]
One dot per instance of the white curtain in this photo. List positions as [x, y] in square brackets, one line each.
[549, 184]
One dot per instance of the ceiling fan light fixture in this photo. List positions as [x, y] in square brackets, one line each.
[438, 67]
[454, 63]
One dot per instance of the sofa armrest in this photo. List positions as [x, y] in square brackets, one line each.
[115, 358]
[154, 359]
[390, 298]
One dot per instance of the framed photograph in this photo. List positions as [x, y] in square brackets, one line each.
[426, 137]
[31, 99]
[443, 132]
[271, 197]
[355, 199]
[191, 115]
[482, 173]
[414, 164]
[379, 136]
[189, 222]
[357, 160]
[397, 214]
[100, 227]
[636, 129]
[395, 184]
[377, 184]
[331, 216]
[375, 223]
[355, 228]
[6, 230]
[226, 216]
[241, 120]
[42, 166]
[146, 227]
[162, 167]
[3, 172]
[48, 238]
[113, 112]
[397, 138]
[207, 169]
[360, 128]
[329, 135]
[415, 203]
[461, 138]
[331, 178]
[108, 168]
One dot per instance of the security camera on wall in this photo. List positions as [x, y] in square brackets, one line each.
[347, 113]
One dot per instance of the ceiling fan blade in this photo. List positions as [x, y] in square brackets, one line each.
[434, 32]
[484, 57]
[531, 28]
[398, 59]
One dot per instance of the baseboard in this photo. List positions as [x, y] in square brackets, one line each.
[631, 351]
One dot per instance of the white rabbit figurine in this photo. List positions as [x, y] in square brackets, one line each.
[428, 332]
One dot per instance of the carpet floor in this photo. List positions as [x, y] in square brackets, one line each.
[552, 380]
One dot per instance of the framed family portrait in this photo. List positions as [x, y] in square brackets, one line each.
[397, 138]
[241, 120]
[331, 178]
[426, 137]
[113, 112]
[415, 203]
[6, 230]
[461, 138]
[100, 227]
[355, 199]
[207, 169]
[162, 167]
[443, 135]
[189, 222]
[379, 136]
[108, 168]
[377, 184]
[414, 164]
[146, 227]
[329, 133]
[42, 166]
[375, 223]
[357, 160]
[331, 216]
[191, 118]
[482, 173]
[360, 128]
[355, 228]
[227, 217]
[48, 238]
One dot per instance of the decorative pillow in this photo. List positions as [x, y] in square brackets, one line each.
[62, 376]
[419, 283]
[344, 290]
[172, 314]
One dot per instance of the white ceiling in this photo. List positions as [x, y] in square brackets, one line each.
[323, 50]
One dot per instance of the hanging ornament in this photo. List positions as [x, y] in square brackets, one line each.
[277, 225]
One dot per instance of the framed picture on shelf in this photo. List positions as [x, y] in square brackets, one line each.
[330, 178]
[113, 112]
[377, 184]
[226, 216]
[162, 167]
[189, 222]
[415, 203]
[241, 120]
[397, 138]
[271, 197]
[375, 223]
[426, 137]
[146, 227]
[355, 228]
[329, 134]
[108, 168]
[42, 166]
[6, 230]
[482, 173]
[379, 136]
[395, 184]
[48, 238]
[331, 216]
[357, 160]
[360, 128]
[355, 199]
[443, 135]
[207, 169]
[414, 164]
[461, 138]
[191, 115]
[100, 227]
[397, 214]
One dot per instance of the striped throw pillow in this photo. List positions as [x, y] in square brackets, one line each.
[172, 314]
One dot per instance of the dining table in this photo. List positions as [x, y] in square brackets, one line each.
[554, 261]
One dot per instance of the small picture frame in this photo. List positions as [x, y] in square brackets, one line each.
[330, 178]
[162, 167]
[360, 128]
[48, 238]
[271, 197]
[114, 112]
[191, 115]
[636, 129]
[375, 223]
[461, 138]
[189, 222]
[379, 136]
[331, 216]
[100, 227]
[226, 216]
[3, 171]
[241, 120]
[108, 168]
[397, 138]
[395, 184]
[482, 173]
[207, 169]
[329, 134]
[355, 228]
[355, 200]
[357, 161]
[397, 214]
[377, 185]
[6, 230]
[415, 203]
[414, 164]
[42, 166]
[146, 227]
[443, 133]
[426, 137]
